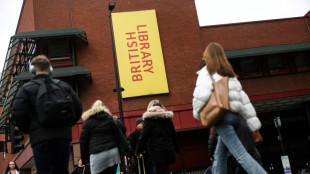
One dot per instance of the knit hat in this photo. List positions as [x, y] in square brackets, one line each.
[138, 121]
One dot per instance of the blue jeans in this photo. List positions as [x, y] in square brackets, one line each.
[52, 157]
[228, 141]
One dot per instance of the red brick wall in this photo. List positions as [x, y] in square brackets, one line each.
[26, 20]
[51, 14]
[261, 34]
[183, 42]
[277, 84]
[180, 38]
[258, 34]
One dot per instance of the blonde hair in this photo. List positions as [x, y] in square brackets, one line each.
[96, 108]
[216, 61]
[155, 103]
[41, 62]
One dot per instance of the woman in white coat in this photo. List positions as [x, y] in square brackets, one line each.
[218, 66]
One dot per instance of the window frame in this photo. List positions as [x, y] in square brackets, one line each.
[59, 58]
[295, 64]
[251, 76]
[283, 57]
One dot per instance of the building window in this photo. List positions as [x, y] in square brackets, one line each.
[59, 48]
[250, 67]
[277, 64]
[302, 61]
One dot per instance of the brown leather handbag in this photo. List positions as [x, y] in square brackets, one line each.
[218, 104]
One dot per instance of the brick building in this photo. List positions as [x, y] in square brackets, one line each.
[270, 57]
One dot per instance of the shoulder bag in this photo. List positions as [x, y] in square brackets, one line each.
[257, 137]
[122, 143]
[218, 104]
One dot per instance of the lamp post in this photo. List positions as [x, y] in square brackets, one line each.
[277, 123]
[118, 88]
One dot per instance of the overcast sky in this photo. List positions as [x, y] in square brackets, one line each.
[210, 12]
[216, 12]
[9, 14]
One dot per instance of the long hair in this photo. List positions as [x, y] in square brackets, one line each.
[8, 168]
[96, 108]
[216, 61]
[156, 103]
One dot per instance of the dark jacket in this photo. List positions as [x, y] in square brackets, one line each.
[85, 170]
[97, 135]
[121, 126]
[24, 113]
[212, 142]
[160, 136]
[133, 140]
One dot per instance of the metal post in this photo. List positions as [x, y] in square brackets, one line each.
[5, 149]
[280, 139]
[277, 123]
[119, 89]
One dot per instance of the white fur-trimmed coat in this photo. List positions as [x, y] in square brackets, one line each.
[238, 99]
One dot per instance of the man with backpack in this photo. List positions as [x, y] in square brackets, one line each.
[46, 109]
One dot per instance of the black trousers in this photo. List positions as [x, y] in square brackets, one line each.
[52, 156]
[162, 169]
[109, 170]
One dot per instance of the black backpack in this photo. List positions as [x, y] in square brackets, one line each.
[54, 105]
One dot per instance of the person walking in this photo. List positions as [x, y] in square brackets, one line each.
[133, 139]
[98, 144]
[50, 145]
[80, 168]
[217, 66]
[159, 135]
[12, 168]
[246, 138]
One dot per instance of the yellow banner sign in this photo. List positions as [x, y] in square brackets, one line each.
[139, 54]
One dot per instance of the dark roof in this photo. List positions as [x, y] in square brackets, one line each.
[48, 33]
[57, 72]
[267, 50]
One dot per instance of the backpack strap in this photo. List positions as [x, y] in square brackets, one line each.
[57, 82]
[45, 82]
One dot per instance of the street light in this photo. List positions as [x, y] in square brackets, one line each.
[111, 6]
[118, 88]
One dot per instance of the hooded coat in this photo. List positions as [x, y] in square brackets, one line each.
[159, 135]
[97, 134]
[238, 100]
